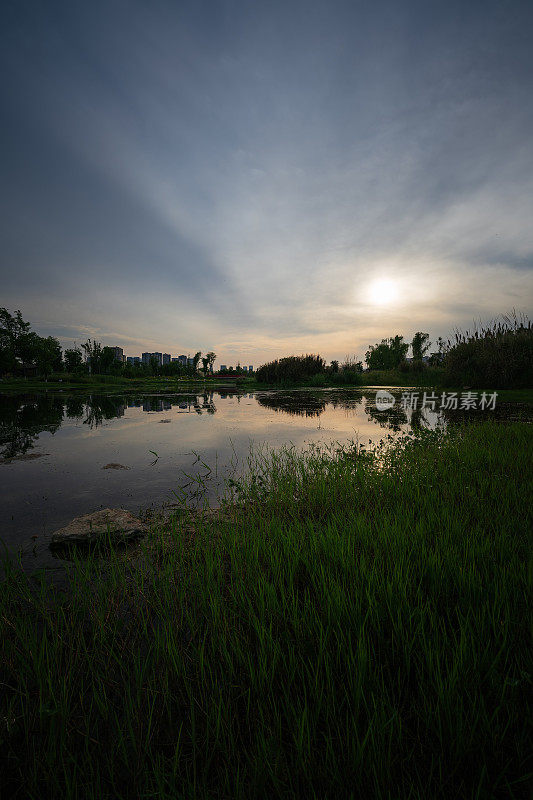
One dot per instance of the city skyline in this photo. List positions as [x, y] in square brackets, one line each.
[162, 358]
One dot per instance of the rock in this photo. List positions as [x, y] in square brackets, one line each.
[113, 465]
[122, 525]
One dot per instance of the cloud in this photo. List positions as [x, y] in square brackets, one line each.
[222, 176]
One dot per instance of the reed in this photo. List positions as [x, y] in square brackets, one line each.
[498, 355]
[351, 624]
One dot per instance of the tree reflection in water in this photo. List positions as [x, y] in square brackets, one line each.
[23, 418]
[294, 403]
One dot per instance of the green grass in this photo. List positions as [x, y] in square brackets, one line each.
[110, 383]
[357, 627]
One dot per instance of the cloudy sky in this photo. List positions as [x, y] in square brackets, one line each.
[265, 178]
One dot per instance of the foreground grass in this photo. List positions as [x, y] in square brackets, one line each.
[360, 628]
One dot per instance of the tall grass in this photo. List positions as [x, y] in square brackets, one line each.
[497, 355]
[357, 626]
[290, 369]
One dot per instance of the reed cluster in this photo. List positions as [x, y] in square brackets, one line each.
[497, 355]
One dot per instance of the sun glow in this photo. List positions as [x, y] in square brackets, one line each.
[383, 292]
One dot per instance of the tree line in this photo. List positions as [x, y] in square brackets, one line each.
[499, 355]
[23, 351]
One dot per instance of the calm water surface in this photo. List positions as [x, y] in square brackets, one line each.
[54, 447]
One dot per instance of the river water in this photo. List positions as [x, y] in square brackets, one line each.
[55, 448]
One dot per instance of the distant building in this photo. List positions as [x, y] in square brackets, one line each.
[118, 353]
[129, 361]
[190, 362]
[223, 368]
[136, 361]
[175, 360]
[182, 360]
[166, 358]
[245, 369]
[146, 357]
[250, 368]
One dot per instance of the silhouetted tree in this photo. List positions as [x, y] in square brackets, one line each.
[420, 345]
[73, 358]
[387, 355]
[93, 355]
[211, 358]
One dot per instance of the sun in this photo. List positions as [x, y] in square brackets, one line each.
[383, 292]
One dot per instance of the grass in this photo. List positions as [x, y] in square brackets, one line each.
[429, 377]
[356, 626]
[110, 383]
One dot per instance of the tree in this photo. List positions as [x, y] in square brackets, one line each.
[108, 360]
[12, 329]
[387, 355]
[19, 345]
[195, 360]
[205, 365]
[48, 355]
[437, 358]
[73, 358]
[211, 358]
[420, 345]
[93, 354]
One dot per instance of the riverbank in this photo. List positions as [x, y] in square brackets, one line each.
[67, 382]
[109, 384]
[346, 628]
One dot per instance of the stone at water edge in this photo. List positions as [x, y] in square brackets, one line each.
[122, 525]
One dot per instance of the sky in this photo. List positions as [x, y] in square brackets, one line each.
[263, 179]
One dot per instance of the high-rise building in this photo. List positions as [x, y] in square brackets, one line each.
[136, 361]
[250, 368]
[245, 369]
[183, 360]
[148, 356]
[118, 353]
[223, 368]
[129, 361]
[166, 358]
